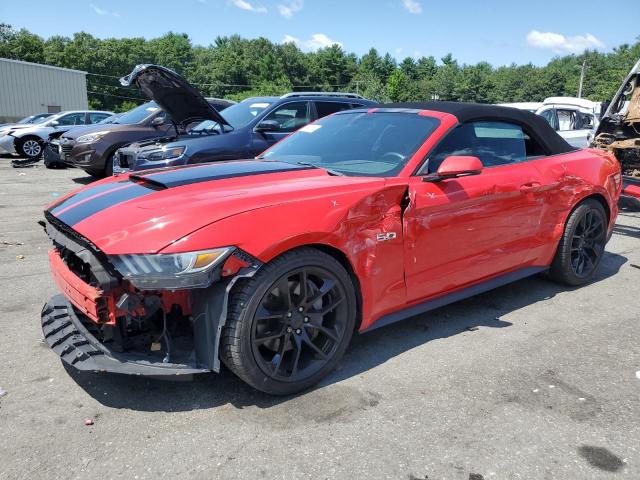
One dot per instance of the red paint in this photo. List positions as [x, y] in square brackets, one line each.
[453, 233]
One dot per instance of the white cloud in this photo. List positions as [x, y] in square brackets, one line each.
[317, 41]
[558, 43]
[244, 5]
[287, 9]
[102, 11]
[98, 10]
[412, 6]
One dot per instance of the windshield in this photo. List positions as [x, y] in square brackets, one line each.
[138, 114]
[242, 113]
[357, 143]
[34, 119]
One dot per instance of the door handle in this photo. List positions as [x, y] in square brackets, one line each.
[530, 187]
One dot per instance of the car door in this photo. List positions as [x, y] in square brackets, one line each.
[461, 231]
[289, 117]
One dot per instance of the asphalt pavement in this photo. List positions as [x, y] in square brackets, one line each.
[530, 381]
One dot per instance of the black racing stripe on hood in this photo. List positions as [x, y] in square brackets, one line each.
[82, 211]
[84, 194]
[187, 175]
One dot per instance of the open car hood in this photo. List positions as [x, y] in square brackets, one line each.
[173, 94]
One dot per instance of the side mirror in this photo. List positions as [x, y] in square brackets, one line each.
[156, 122]
[55, 123]
[456, 166]
[268, 126]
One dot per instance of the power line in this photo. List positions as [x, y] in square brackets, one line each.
[222, 84]
[116, 96]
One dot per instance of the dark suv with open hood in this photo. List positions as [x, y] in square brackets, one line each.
[92, 148]
[243, 130]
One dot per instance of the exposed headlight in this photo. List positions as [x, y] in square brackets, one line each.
[91, 137]
[162, 154]
[171, 271]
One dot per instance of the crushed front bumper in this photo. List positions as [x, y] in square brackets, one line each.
[68, 333]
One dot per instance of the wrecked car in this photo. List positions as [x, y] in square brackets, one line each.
[619, 133]
[356, 221]
[27, 140]
[243, 130]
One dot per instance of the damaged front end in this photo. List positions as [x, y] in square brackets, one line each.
[113, 322]
[619, 133]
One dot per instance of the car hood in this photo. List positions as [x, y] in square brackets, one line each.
[173, 94]
[145, 213]
[78, 131]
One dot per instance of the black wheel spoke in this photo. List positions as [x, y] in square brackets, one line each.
[326, 287]
[264, 314]
[284, 293]
[275, 366]
[296, 358]
[268, 338]
[302, 282]
[327, 332]
[306, 340]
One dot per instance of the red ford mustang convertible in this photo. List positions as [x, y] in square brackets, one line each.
[361, 219]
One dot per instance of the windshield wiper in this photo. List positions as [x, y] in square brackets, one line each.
[331, 172]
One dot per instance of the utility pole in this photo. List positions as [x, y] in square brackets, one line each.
[582, 70]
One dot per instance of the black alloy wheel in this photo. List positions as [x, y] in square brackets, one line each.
[289, 325]
[582, 244]
[298, 326]
[587, 243]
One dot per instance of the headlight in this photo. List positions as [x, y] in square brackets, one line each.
[91, 137]
[162, 154]
[171, 271]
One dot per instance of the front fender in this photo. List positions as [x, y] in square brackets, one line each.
[352, 226]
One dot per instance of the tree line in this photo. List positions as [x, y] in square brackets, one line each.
[235, 67]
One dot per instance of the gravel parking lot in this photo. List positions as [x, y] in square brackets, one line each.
[529, 381]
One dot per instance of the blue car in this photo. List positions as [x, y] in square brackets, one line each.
[243, 130]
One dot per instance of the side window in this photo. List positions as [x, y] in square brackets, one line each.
[567, 120]
[587, 121]
[290, 116]
[97, 117]
[550, 117]
[72, 119]
[327, 108]
[494, 143]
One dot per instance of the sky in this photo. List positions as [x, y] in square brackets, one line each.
[498, 31]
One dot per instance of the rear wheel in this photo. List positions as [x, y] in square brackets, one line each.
[30, 147]
[289, 325]
[582, 244]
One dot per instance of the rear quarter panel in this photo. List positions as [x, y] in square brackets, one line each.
[567, 180]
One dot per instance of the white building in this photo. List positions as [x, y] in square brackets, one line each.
[30, 88]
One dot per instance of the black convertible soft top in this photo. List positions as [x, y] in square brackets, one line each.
[533, 124]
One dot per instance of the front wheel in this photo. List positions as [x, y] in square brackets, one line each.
[30, 147]
[288, 326]
[582, 244]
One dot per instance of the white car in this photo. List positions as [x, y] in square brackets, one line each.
[27, 140]
[575, 119]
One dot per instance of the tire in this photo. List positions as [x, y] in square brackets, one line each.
[582, 244]
[108, 167]
[30, 147]
[283, 344]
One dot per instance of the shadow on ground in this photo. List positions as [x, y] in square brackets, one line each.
[366, 352]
